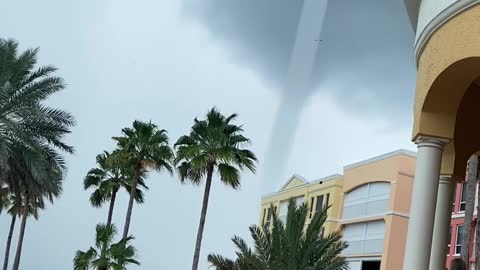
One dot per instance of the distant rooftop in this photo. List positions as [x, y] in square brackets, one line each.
[400, 152]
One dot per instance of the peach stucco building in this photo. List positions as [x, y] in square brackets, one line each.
[370, 203]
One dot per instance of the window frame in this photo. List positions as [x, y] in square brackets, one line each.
[368, 199]
[458, 239]
[464, 203]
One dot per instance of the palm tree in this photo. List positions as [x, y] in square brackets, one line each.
[142, 148]
[105, 255]
[24, 120]
[9, 204]
[107, 179]
[470, 205]
[288, 246]
[30, 132]
[39, 179]
[214, 144]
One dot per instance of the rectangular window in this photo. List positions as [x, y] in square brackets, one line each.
[458, 243]
[449, 240]
[364, 238]
[327, 200]
[454, 197]
[319, 206]
[264, 216]
[463, 200]
[282, 213]
[269, 217]
[311, 206]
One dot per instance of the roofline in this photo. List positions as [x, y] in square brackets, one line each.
[306, 184]
[297, 176]
[400, 152]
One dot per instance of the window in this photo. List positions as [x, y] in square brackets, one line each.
[282, 215]
[449, 240]
[367, 200]
[319, 205]
[458, 243]
[264, 216]
[311, 206]
[268, 218]
[454, 197]
[326, 201]
[463, 200]
[364, 237]
[268, 215]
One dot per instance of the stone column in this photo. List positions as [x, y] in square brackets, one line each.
[443, 214]
[424, 200]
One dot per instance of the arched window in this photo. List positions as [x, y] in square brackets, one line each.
[367, 200]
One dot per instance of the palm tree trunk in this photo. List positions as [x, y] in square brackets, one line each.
[112, 205]
[9, 242]
[469, 207]
[16, 263]
[206, 194]
[136, 175]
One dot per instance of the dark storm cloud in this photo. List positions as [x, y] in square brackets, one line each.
[364, 57]
[366, 46]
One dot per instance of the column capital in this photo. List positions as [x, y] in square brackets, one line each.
[430, 141]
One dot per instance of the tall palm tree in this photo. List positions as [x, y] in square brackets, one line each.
[470, 205]
[107, 179]
[288, 246]
[30, 132]
[214, 144]
[142, 148]
[9, 204]
[39, 179]
[15, 210]
[24, 119]
[106, 255]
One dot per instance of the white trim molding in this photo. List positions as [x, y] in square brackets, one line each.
[438, 21]
[400, 152]
[305, 184]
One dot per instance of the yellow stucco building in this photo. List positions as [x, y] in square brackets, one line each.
[370, 203]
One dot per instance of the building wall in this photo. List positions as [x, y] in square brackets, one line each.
[458, 219]
[396, 169]
[296, 187]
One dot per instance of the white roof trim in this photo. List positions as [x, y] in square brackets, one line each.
[294, 176]
[400, 152]
[306, 184]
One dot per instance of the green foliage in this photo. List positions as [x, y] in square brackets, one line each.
[108, 177]
[30, 132]
[214, 143]
[144, 147]
[290, 246]
[106, 255]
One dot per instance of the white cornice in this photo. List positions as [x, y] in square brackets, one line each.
[438, 21]
[400, 152]
[294, 176]
[325, 179]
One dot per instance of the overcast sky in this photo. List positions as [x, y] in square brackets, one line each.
[169, 61]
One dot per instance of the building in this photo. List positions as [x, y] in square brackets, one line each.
[370, 203]
[447, 55]
[457, 224]
[318, 193]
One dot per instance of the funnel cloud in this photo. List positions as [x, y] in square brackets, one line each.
[362, 46]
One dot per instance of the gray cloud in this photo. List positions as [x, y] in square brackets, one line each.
[364, 56]
[366, 45]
